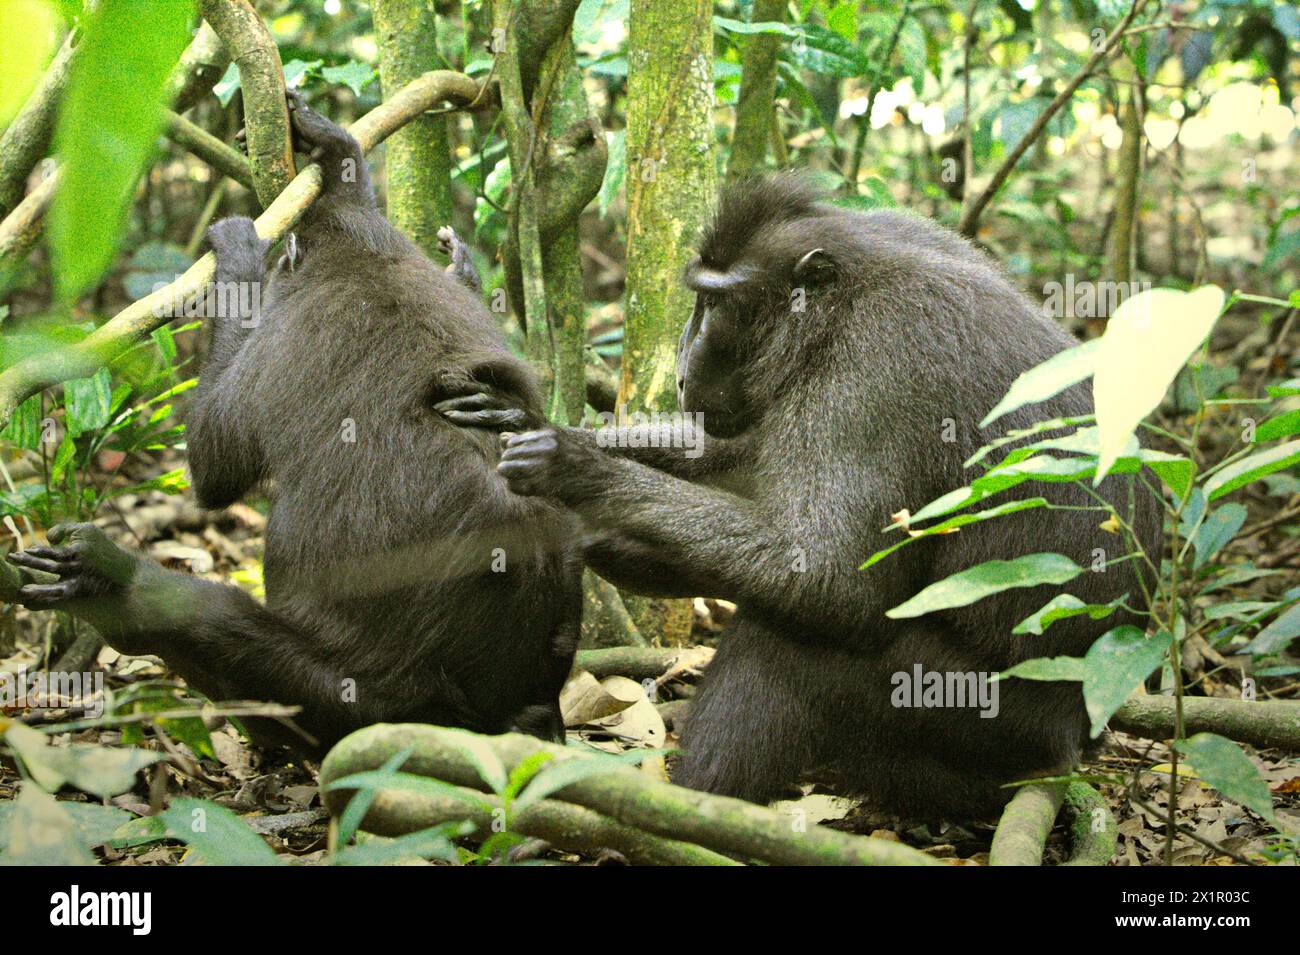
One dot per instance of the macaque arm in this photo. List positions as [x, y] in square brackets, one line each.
[679, 449]
[719, 544]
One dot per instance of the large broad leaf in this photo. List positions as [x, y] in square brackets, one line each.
[110, 117]
[1252, 469]
[1281, 426]
[1147, 340]
[1050, 378]
[1216, 530]
[215, 834]
[1222, 764]
[29, 29]
[98, 770]
[984, 580]
[1120, 660]
[95, 824]
[1110, 670]
[42, 832]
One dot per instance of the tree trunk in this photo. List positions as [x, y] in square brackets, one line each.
[671, 173]
[754, 110]
[417, 166]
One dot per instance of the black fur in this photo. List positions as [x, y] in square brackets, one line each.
[388, 521]
[844, 410]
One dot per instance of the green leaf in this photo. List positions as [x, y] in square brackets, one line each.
[1215, 531]
[29, 32]
[483, 756]
[823, 51]
[107, 129]
[98, 770]
[95, 824]
[432, 843]
[359, 804]
[409, 782]
[297, 72]
[843, 19]
[24, 428]
[556, 776]
[1147, 341]
[615, 170]
[42, 832]
[1046, 380]
[1062, 607]
[983, 580]
[1252, 468]
[88, 402]
[1222, 764]
[1280, 426]
[748, 29]
[355, 76]
[215, 834]
[1277, 636]
[62, 458]
[1286, 389]
[961, 520]
[1049, 669]
[1119, 660]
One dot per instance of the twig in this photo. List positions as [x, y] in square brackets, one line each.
[970, 217]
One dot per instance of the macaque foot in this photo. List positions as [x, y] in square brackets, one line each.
[315, 135]
[490, 409]
[462, 263]
[85, 562]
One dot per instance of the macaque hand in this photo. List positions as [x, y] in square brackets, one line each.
[541, 463]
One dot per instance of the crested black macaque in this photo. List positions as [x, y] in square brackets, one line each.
[404, 581]
[841, 362]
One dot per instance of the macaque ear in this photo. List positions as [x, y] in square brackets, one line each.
[815, 268]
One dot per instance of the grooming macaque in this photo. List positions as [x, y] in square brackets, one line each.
[404, 581]
[842, 362]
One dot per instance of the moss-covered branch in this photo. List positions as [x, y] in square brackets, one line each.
[261, 80]
[633, 798]
[1093, 834]
[562, 824]
[1025, 824]
[1264, 723]
[225, 159]
[754, 108]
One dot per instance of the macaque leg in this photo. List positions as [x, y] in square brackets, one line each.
[343, 166]
[224, 643]
[749, 730]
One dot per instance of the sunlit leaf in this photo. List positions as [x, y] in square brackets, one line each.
[1047, 379]
[111, 114]
[984, 580]
[1062, 607]
[29, 31]
[1252, 468]
[1147, 341]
